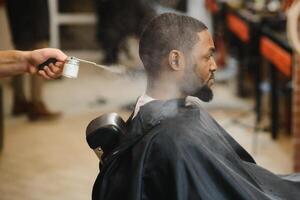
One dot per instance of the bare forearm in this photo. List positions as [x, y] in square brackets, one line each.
[13, 62]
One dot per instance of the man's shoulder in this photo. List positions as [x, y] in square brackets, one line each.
[173, 131]
[173, 122]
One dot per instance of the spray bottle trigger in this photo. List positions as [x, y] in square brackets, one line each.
[47, 62]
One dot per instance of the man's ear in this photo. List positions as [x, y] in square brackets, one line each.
[176, 60]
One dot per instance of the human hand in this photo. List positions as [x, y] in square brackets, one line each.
[50, 71]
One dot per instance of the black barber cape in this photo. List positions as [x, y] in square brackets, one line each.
[175, 150]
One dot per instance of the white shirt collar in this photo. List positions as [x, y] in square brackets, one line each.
[142, 100]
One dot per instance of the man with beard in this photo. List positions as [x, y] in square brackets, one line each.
[172, 148]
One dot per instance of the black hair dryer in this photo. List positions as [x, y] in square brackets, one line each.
[103, 133]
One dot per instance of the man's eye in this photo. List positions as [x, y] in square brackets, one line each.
[210, 56]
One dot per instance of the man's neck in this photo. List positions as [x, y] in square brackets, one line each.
[162, 90]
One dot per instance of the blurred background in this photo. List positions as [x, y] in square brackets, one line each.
[44, 154]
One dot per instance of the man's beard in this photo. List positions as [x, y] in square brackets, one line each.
[204, 93]
[194, 87]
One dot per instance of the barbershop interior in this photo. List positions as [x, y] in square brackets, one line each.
[44, 147]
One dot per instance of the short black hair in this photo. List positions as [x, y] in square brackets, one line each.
[164, 33]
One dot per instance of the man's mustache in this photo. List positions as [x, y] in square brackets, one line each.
[211, 77]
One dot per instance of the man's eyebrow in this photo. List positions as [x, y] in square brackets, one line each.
[210, 51]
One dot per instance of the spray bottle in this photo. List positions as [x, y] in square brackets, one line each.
[72, 65]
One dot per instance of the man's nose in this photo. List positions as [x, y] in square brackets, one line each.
[212, 72]
[213, 66]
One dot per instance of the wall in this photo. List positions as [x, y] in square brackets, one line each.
[197, 9]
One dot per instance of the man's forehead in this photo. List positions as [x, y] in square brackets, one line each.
[205, 39]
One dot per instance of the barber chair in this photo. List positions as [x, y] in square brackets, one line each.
[104, 133]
